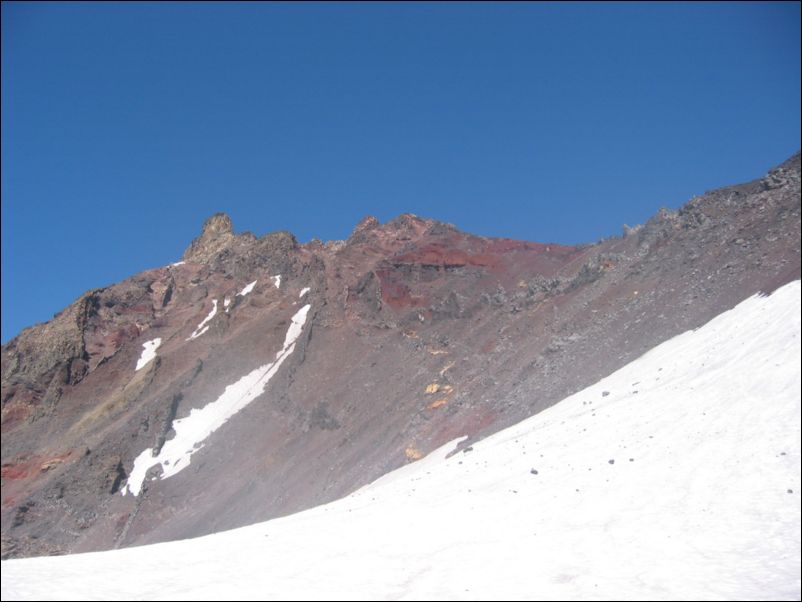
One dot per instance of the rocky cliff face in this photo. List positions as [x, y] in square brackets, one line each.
[341, 360]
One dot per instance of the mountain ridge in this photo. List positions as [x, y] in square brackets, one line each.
[417, 333]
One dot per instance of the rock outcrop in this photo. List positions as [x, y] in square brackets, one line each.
[217, 235]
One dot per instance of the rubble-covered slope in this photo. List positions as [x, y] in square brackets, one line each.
[415, 333]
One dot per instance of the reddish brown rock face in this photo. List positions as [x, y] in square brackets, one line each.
[417, 334]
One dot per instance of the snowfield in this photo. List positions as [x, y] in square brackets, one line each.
[676, 477]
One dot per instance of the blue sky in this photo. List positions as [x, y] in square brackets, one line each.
[125, 125]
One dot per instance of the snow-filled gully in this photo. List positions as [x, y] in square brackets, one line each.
[192, 431]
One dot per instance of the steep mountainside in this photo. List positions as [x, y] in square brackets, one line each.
[662, 481]
[313, 369]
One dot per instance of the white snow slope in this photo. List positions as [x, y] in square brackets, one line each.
[681, 483]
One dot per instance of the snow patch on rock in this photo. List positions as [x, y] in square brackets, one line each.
[192, 431]
[247, 289]
[148, 353]
[202, 327]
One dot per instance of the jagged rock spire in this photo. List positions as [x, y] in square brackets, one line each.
[218, 224]
[218, 232]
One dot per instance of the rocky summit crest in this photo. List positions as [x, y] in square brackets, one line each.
[367, 223]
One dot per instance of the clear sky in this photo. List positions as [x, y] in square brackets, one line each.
[125, 125]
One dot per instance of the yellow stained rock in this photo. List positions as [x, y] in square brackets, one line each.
[413, 454]
[438, 403]
[447, 368]
[437, 388]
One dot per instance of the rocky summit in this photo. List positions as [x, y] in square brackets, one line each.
[258, 376]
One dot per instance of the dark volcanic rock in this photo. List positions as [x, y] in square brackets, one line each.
[418, 333]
